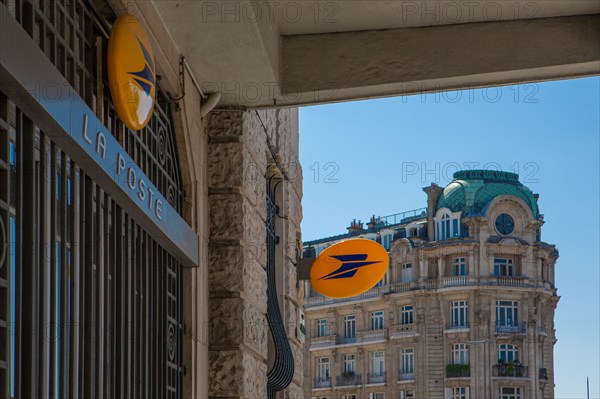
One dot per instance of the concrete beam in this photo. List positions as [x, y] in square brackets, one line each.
[324, 68]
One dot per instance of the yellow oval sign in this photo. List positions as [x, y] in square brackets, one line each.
[131, 72]
[349, 268]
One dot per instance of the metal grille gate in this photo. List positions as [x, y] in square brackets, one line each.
[89, 302]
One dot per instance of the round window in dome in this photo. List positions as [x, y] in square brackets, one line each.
[505, 224]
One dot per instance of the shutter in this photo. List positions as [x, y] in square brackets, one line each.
[467, 389]
[448, 393]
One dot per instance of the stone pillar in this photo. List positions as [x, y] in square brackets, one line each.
[237, 257]
[423, 267]
[243, 146]
[471, 264]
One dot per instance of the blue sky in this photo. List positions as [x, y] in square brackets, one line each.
[373, 157]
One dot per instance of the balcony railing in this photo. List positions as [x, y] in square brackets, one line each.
[322, 382]
[376, 378]
[431, 284]
[512, 329]
[401, 330]
[510, 370]
[404, 376]
[510, 281]
[458, 370]
[454, 281]
[348, 379]
[327, 340]
[457, 326]
[543, 374]
[364, 337]
[373, 335]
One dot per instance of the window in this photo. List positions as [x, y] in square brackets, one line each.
[406, 315]
[459, 267]
[350, 364]
[504, 267]
[507, 313]
[407, 394]
[508, 353]
[377, 363]
[509, 393]
[505, 224]
[323, 369]
[460, 354]
[407, 361]
[322, 328]
[447, 226]
[459, 392]
[349, 396]
[459, 314]
[379, 395]
[387, 240]
[377, 320]
[406, 272]
[350, 327]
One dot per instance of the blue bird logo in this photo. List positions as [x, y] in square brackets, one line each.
[349, 267]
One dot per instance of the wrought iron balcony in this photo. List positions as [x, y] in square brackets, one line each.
[376, 378]
[404, 376]
[348, 379]
[458, 370]
[512, 370]
[322, 382]
[543, 374]
[519, 328]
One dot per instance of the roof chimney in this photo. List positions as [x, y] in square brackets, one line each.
[355, 226]
[433, 194]
[372, 223]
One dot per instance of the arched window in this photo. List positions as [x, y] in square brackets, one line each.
[447, 225]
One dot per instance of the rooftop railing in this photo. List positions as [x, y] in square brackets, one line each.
[398, 218]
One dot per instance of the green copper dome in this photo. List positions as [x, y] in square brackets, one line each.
[472, 190]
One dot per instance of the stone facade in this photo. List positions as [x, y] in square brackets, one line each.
[245, 148]
[452, 308]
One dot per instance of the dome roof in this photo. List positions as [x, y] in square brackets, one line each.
[472, 190]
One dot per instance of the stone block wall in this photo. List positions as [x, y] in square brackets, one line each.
[244, 148]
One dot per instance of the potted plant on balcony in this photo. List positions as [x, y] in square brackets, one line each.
[510, 368]
[348, 375]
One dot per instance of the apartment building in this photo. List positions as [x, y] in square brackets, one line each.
[466, 309]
